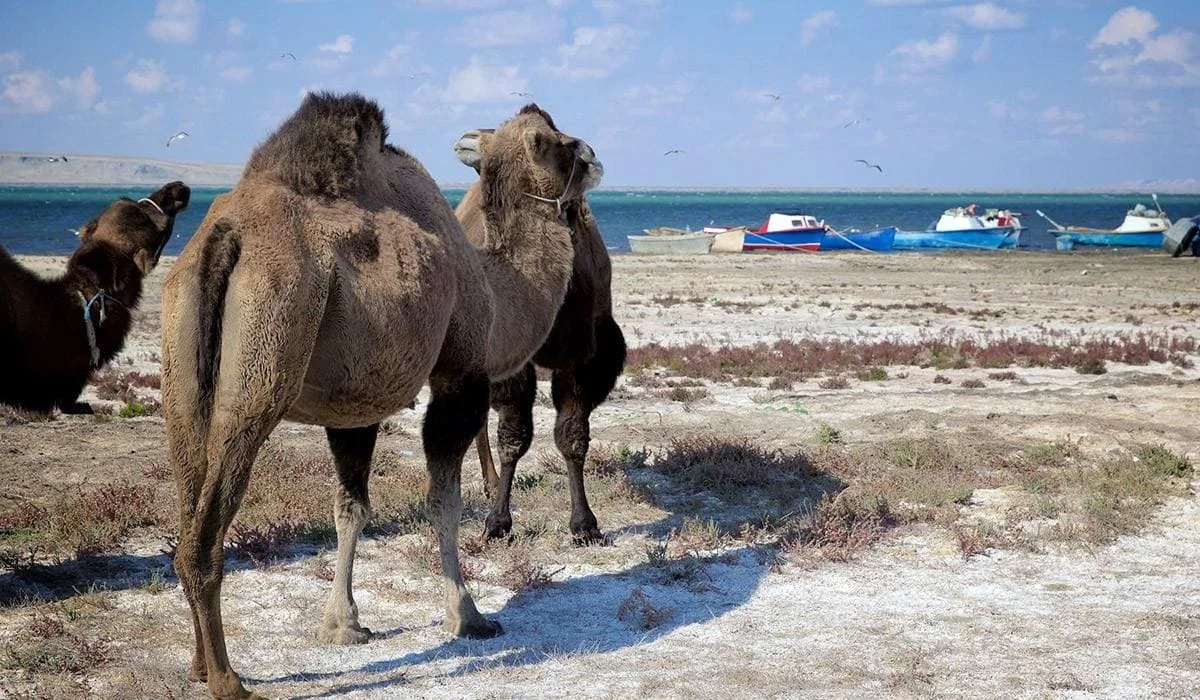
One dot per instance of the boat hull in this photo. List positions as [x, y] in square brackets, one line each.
[1068, 239]
[977, 239]
[800, 239]
[694, 244]
[880, 241]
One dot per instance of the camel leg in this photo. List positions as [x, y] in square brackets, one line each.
[456, 414]
[352, 449]
[186, 449]
[576, 392]
[513, 398]
[491, 480]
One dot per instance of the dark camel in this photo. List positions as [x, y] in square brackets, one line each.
[55, 333]
[585, 352]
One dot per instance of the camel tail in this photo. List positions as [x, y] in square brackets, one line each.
[221, 253]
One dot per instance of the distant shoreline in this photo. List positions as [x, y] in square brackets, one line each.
[29, 169]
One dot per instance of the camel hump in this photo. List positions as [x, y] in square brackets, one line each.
[318, 150]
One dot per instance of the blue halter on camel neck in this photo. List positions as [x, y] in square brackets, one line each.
[101, 297]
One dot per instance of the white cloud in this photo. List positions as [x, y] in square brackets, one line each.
[236, 27]
[1060, 121]
[150, 116]
[595, 52]
[916, 60]
[175, 21]
[400, 61]
[998, 109]
[237, 74]
[82, 90]
[987, 17]
[1131, 54]
[10, 60]
[1126, 25]
[741, 15]
[617, 7]
[516, 28]
[344, 43]
[29, 91]
[149, 75]
[811, 27]
[904, 3]
[1118, 135]
[814, 83]
[479, 82]
[455, 5]
[652, 100]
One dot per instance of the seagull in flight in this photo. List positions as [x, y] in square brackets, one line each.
[869, 165]
[74, 231]
[179, 136]
[55, 159]
[772, 95]
[852, 122]
[522, 94]
[674, 151]
[288, 54]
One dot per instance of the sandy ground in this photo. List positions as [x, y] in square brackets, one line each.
[910, 618]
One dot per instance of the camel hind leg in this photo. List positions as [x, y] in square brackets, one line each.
[577, 391]
[513, 399]
[457, 411]
[352, 449]
[261, 371]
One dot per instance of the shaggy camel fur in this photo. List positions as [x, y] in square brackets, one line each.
[327, 288]
[55, 333]
[585, 352]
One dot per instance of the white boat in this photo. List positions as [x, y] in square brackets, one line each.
[1141, 228]
[965, 219]
[673, 244]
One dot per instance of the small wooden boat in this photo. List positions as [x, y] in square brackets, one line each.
[787, 232]
[727, 239]
[880, 241]
[1142, 228]
[678, 244]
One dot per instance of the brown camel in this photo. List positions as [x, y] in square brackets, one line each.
[585, 352]
[327, 288]
[55, 333]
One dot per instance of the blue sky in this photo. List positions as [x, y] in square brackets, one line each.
[1003, 94]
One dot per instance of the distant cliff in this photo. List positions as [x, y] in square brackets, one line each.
[73, 169]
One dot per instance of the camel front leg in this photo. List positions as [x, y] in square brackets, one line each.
[352, 449]
[456, 414]
[513, 399]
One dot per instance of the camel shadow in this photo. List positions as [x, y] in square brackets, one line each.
[592, 614]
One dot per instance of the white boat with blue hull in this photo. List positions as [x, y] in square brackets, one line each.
[961, 228]
[1142, 228]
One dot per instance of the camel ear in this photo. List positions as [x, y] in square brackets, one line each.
[535, 143]
[471, 146]
[143, 261]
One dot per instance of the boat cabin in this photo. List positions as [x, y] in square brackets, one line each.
[791, 222]
[1143, 220]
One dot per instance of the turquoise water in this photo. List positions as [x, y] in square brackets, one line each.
[37, 220]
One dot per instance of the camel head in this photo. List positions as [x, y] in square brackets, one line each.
[529, 155]
[141, 229]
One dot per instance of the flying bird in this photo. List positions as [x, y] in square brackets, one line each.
[522, 94]
[869, 165]
[54, 159]
[74, 231]
[772, 95]
[177, 137]
[288, 54]
[849, 124]
[673, 151]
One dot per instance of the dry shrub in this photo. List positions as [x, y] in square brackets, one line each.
[1005, 376]
[84, 522]
[637, 611]
[840, 527]
[516, 570]
[262, 545]
[47, 646]
[727, 466]
[17, 416]
[972, 384]
[977, 538]
[942, 379]
[947, 350]
[872, 374]
[835, 382]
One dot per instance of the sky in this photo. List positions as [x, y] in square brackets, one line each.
[1019, 94]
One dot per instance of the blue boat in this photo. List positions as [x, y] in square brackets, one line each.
[880, 241]
[1142, 228]
[978, 239]
[787, 233]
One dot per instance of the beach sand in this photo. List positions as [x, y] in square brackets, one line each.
[910, 617]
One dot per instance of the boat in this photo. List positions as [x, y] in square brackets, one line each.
[1142, 228]
[727, 239]
[687, 243]
[879, 240]
[965, 218]
[787, 232]
[961, 228]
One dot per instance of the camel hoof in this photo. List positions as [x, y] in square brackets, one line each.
[481, 629]
[588, 538]
[344, 636]
[495, 527]
[200, 676]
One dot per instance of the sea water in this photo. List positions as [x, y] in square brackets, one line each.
[39, 220]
